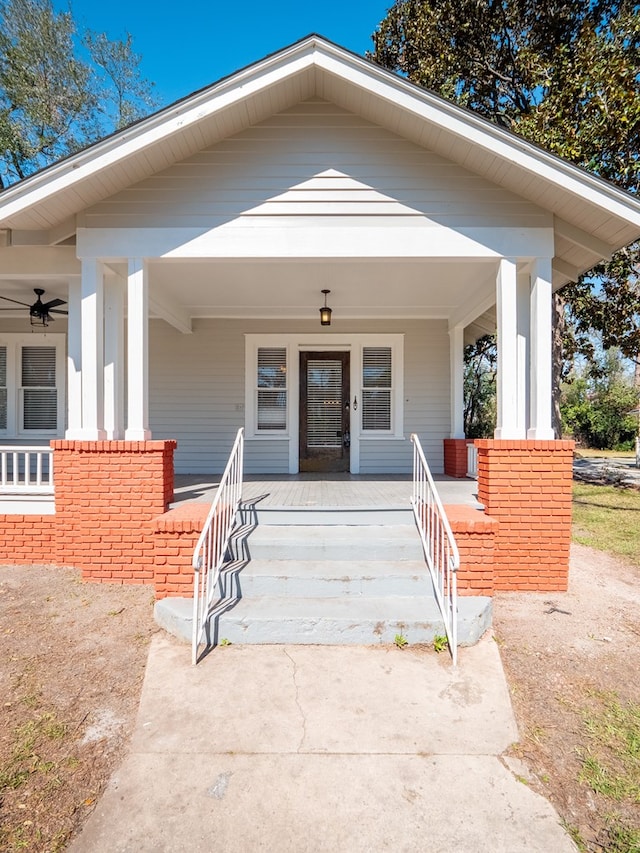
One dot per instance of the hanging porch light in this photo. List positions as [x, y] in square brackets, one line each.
[325, 311]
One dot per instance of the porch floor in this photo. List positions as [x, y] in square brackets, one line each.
[391, 491]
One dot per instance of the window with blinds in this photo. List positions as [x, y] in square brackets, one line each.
[376, 389]
[3, 387]
[38, 392]
[271, 404]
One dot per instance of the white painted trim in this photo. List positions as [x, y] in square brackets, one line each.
[92, 313]
[297, 343]
[74, 361]
[507, 378]
[114, 358]
[14, 343]
[315, 237]
[137, 351]
[456, 360]
[540, 392]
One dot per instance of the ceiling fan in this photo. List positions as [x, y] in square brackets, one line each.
[40, 312]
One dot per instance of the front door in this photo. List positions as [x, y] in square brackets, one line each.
[324, 411]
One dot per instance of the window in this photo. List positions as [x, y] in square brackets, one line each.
[271, 403]
[31, 385]
[377, 386]
[39, 398]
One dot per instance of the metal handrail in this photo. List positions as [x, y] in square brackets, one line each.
[440, 549]
[210, 553]
[23, 469]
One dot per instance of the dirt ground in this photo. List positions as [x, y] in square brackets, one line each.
[72, 661]
[570, 658]
[72, 658]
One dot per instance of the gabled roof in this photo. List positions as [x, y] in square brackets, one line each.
[593, 217]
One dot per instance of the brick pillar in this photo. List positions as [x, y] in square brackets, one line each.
[455, 456]
[108, 494]
[526, 487]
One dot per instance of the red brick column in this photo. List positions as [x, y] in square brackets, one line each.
[475, 534]
[526, 487]
[107, 495]
[176, 534]
[455, 456]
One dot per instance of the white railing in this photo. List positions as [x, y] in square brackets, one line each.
[440, 549]
[638, 451]
[211, 551]
[26, 470]
[472, 461]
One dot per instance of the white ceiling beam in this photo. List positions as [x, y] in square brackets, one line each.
[171, 311]
[564, 269]
[465, 315]
[38, 261]
[583, 239]
[62, 231]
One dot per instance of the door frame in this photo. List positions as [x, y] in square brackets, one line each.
[344, 356]
[325, 342]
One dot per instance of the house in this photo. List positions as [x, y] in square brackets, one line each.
[193, 251]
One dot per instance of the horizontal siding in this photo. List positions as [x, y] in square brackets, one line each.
[314, 159]
[197, 393]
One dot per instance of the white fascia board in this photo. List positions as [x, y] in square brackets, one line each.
[149, 131]
[314, 239]
[481, 133]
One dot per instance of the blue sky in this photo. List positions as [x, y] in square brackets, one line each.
[188, 45]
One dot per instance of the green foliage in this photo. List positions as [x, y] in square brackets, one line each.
[401, 641]
[595, 406]
[53, 101]
[564, 75]
[480, 361]
[440, 643]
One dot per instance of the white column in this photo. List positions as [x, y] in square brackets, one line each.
[92, 311]
[114, 357]
[540, 389]
[507, 379]
[74, 362]
[456, 355]
[524, 334]
[137, 352]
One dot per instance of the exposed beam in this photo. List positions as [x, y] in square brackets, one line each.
[567, 270]
[62, 231]
[38, 261]
[465, 314]
[583, 239]
[171, 311]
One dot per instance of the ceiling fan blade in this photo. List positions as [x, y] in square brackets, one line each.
[58, 311]
[54, 303]
[16, 302]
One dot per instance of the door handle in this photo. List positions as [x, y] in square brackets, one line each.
[355, 404]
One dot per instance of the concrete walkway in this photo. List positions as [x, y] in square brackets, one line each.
[322, 748]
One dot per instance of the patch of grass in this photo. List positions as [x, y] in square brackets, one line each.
[620, 836]
[611, 764]
[25, 759]
[574, 834]
[440, 643]
[607, 518]
[592, 453]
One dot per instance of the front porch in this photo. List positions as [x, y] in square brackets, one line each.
[326, 491]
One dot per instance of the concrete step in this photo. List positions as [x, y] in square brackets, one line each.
[255, 514]
[327, 621]
[335, 542]
[325, 579]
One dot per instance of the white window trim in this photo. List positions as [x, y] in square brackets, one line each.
[14, 343]
[297, 343]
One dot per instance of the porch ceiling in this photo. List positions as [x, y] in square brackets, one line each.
[359, 289]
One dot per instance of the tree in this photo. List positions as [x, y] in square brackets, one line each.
[596, 404]
[480, 360]
[564, 74]
[52, 100]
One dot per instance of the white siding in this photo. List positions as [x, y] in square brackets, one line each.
[314, 159]
[197, 393]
